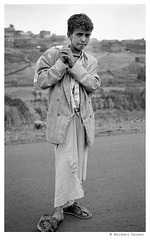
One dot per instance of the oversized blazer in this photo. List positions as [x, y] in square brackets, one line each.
[52, 73]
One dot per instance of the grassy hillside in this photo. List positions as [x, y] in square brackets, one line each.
[122, 90]
[114, 68]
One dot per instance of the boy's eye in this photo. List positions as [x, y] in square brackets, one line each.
[87, 35]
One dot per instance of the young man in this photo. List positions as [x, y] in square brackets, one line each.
[70, 74]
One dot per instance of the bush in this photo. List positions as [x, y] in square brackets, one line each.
[129, 99]
[141, 74]
[16, 113]
[42, 113]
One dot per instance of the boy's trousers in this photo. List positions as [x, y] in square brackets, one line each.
[71, 164]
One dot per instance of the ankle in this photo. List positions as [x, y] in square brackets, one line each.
[69, 203]
[59, 210]
[59, 213]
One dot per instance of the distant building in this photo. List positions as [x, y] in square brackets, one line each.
[21, 35]
[15, 37]
[9, 35]
[45, 34]
[30, 34]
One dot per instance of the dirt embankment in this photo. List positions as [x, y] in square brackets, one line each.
[30, 135]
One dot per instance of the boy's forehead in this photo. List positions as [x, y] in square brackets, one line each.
[80, 30]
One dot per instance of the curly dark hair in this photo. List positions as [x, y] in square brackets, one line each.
[79, 21]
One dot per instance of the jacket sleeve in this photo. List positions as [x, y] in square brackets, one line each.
[88, 78]
[49, 69]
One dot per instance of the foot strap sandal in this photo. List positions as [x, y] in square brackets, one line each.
[78, 211]
[48, 223]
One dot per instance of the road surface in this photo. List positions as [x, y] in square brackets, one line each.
[114, 189]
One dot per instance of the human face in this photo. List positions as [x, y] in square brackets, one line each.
[79, 39]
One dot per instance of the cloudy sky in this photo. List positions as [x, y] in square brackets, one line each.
[111, 21]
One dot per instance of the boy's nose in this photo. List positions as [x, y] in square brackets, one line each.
[83, 38]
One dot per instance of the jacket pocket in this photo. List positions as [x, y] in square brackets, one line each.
[56, 127]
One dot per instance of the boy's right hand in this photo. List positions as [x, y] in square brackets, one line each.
[63, 57]
[67, 57]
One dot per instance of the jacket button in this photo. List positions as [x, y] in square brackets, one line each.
[58, 99]
[58, 114]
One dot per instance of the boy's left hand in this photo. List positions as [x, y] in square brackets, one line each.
[67, 53]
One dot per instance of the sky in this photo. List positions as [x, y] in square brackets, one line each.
[111, 21]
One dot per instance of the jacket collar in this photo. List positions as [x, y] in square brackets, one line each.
[83, 54]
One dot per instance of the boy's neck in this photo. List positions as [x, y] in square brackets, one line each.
[75, 51]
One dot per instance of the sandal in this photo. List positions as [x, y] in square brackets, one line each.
[78, 211]
[48, 223]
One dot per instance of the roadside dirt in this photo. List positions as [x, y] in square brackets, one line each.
[30, 135]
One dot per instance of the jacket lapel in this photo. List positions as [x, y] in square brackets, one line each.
[66, 87]
[66, 79]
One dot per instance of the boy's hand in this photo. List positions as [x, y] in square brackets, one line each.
[67, 57]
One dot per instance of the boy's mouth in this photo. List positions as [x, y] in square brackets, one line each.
[81, 45]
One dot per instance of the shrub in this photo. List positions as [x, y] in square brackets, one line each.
[16, 113]
[141, 74]
[41, 112]
[129, 99]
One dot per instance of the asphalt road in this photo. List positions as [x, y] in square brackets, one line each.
[114, 189]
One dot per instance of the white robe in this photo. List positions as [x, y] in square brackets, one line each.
[71, 164]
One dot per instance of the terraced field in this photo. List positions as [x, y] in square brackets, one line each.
[122, 88]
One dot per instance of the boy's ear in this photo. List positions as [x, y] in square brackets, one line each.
[68, 34]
